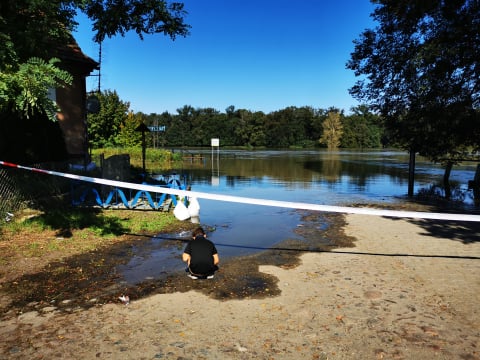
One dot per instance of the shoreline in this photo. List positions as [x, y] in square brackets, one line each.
[405, 290]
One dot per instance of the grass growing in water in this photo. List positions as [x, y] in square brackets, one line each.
[156, 160]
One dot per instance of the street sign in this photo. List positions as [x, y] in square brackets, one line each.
[157, 128]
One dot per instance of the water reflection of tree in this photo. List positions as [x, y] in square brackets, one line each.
[328, 166]
[331, 167]
[288, 169]
[295, 170]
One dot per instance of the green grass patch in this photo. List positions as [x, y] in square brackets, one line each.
[154, 223]
[73, 230]
[102, 223]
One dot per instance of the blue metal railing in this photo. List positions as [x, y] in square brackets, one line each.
[126, 198]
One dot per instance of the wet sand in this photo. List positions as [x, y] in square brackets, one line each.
[404, 290]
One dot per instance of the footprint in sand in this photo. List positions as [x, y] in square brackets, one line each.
[373, 294]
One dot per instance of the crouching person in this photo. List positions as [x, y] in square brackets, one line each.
[201, 256]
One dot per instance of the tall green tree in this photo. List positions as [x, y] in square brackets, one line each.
[420, 69]
[287, 127]
[316, 126]
[178, 134]
[225, 129]
[249, 128]
[105, 126]
[213, 123]
[205, 126]
[276, 132]
[303, 117]
[332, 130]
[128, 136]
[362, 129]
[36, 29]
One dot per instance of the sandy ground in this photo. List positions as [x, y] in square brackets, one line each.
[405, 291]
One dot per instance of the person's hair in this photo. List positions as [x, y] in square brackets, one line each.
[198, 232]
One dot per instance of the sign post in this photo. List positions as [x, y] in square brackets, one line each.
[215, 143]
[155, 129]
[143, 128]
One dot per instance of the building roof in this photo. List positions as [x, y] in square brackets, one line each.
[73, 54]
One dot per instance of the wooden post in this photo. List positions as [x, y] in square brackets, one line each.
[476, 187]
[446, 180]
[411, 172]
[144, 151]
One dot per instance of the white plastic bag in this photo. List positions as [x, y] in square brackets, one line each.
[181, 211]
[194, 207]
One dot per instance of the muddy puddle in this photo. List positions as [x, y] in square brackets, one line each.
[150, 266]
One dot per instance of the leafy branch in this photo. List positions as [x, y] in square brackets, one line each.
[26, 90]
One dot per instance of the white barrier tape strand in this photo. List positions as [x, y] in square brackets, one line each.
[255, 201]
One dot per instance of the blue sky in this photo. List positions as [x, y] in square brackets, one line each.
[260, 55]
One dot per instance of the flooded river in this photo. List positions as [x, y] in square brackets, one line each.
[315, 177]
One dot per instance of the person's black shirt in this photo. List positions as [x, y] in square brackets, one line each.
[201, 253]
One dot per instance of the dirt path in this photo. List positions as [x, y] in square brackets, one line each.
[405, 291]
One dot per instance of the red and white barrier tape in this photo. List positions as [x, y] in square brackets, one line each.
[254, 201]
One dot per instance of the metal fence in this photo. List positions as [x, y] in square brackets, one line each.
[20, 189]
[10, 197]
